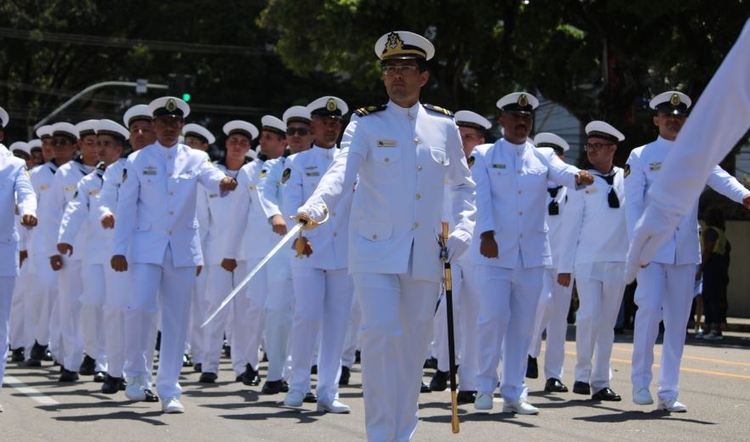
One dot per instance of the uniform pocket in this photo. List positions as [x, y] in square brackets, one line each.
[375, 231]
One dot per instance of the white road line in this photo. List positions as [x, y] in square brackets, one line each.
[31, 392]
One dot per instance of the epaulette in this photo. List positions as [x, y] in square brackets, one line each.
[438, 109]
[470, 161]
[362, 111]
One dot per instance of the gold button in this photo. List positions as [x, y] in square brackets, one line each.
[418, 196]
[387, 160]
[416, 225]
[374, 236]
[416, 141]
[419, 168]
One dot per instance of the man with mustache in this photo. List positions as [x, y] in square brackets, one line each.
[511, 177]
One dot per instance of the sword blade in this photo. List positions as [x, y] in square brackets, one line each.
[290, 234]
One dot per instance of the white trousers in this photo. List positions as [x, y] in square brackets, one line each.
[209, 340]
[278, 311]
[600, 296]
[169, 288]
[351, 342]
[39, 304]
[6, 297]
[18, 335]
[508, 300]
[665, 292]
[196, 337]
[69, 301]
[397, 313]
[551, 315]
[92, 314]
[323, 303]
[248, 312]
[117, 294]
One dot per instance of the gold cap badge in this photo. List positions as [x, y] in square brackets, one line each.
[171, 105]
[331, 105]
[523, 101]
[675, 100]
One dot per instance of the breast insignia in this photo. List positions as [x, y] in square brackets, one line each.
[285, 175]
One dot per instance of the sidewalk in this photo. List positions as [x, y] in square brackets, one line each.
[739, 325]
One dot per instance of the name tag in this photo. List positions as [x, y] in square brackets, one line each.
[149, 170]
[387, 143]
[70, 188]
[654, 166]
[591, 190]
[312, 173]
[44, 187]
[213, 195]
[311, 167]
[498, 166]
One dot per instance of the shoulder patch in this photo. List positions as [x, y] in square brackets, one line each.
[470, 161]
[362, 111]
[438, 110]
[627, 171]
[285, 175]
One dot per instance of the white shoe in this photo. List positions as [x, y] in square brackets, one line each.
[135, 391]
[483, 401]
[671, 405]
[332, 407]
[642, 397]
[294, 398]
[172, 405]
[520, 407]
[1, 408]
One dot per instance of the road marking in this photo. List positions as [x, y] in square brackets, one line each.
[692, 358]
[31, 392]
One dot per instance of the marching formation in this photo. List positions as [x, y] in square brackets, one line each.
[133, 248]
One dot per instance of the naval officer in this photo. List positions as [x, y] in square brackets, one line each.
[156, 219]
[403, 152]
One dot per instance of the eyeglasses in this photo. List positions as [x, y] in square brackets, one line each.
[302, 131]
[62, 142]
[401, 70]
[596, 146]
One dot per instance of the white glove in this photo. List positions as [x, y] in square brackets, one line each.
[458, 242]
[316, 213]
[652, 230]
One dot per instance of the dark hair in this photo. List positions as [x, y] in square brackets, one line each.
[714, 217]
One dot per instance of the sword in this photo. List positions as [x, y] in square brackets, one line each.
[293, 231]
[448, 281]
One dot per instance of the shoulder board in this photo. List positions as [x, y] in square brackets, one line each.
[470, 161]
[285, 175]
[627, 171]
[438, 109]
[362, 111]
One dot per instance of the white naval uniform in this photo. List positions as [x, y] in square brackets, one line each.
[18, 336]
[251, 239]
[156, 221]
[593, 247]
[70, 282]
[322, 286]
[117, 284]
[665, 288]
[81, 219]
[218, 282]
[196, 337]
[511, 194]
[402, 157]
[554, 302]
[41, 305]
[15, 188]
[278, 306]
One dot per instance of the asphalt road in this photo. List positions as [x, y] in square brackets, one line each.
[715, 381]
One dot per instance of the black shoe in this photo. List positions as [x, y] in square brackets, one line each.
[439, 381]
[112, 385]
[100, 376]
[581, 388]
[357, 357]
[37, 351]
[314, 369]
[186, 361]
[606, 394]
[48, 356]
[250, 376]
[346, 373]
[87, 366]
[554, 385]
[466, 397]
[310, 398]
[150, 396]
[68, 376]
[198, 367]
[532, 368]
[31, 362]
[275, 387]
[208, 378]
[18, 355]
[425, 388]
[430, 363]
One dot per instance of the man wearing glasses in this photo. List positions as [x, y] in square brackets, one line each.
[157, 225]
[404, 153]
[593, 247]
[666, 285]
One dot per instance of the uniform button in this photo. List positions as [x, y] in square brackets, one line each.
[387, 160]
[520, 213]
[519, 192]
[678, 228]
[416, 141]
[374, 236]
[418, 196]
[171, 193]
[169, 232]
[171, 212]
[419, 168]
[416, 225]
[335, 234]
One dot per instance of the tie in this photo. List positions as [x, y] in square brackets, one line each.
[554, 207]
[612, 199]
